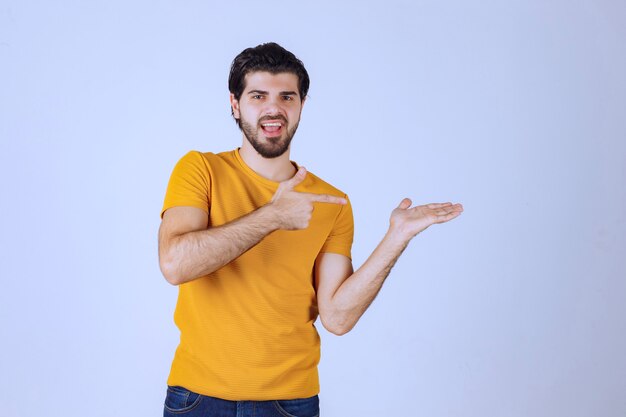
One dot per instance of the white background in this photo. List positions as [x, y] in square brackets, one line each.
[514, 108]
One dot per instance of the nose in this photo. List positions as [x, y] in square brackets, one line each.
[273, 106]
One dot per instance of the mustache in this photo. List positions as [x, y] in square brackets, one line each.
[277, 117]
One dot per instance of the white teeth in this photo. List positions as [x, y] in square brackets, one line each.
[271, 124]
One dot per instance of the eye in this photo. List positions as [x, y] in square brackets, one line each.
[288, 98]
[257, 97]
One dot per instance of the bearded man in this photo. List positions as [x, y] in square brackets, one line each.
[259, 248]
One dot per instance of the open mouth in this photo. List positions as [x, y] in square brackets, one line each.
[273, 128]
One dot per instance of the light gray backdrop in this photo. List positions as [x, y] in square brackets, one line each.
[514, 108]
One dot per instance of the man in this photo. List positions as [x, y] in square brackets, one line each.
[259, 247]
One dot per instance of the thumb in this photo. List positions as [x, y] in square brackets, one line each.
[296, 179]
[405, 204]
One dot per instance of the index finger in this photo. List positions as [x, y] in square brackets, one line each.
[326, 198]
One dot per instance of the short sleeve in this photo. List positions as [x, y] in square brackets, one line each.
[342, 234]
[189, 184]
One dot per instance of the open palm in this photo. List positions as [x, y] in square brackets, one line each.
[412, 220]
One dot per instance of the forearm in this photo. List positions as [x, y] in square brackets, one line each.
[195, 254]
[358, 291]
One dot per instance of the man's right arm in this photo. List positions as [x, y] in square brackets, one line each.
[189, 250]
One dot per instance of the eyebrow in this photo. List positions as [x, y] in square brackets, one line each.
[282, 93]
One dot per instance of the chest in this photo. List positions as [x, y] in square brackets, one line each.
[235, 196]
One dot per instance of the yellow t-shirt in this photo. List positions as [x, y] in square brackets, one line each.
[246, 330]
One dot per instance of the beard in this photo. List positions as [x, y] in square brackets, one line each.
[268, 147]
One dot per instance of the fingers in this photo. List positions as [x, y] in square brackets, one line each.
[326, 198]
[291, 183]
[445, 207]
[448, 212]
[442, 218]
[437, 205]
[405, 204]
[432, 206]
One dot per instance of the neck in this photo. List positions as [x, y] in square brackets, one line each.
[275, 169]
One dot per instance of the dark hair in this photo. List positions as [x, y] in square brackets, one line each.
[270, 57]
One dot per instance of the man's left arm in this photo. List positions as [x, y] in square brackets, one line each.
[343, 295]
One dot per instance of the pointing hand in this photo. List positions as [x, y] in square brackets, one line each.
[294, 209]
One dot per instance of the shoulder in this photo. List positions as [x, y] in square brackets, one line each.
[206, 160]
[197, 157]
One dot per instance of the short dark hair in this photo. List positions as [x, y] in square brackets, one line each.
[270, 57]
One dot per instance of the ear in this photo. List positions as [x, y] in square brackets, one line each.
[234, 103]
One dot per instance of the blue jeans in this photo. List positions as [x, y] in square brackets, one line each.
[181, 402]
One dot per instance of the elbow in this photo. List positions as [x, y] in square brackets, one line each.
[338, 331]
[170, 272]
[336, 327]
[168, 265]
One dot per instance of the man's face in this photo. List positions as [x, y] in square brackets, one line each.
[269, 111]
